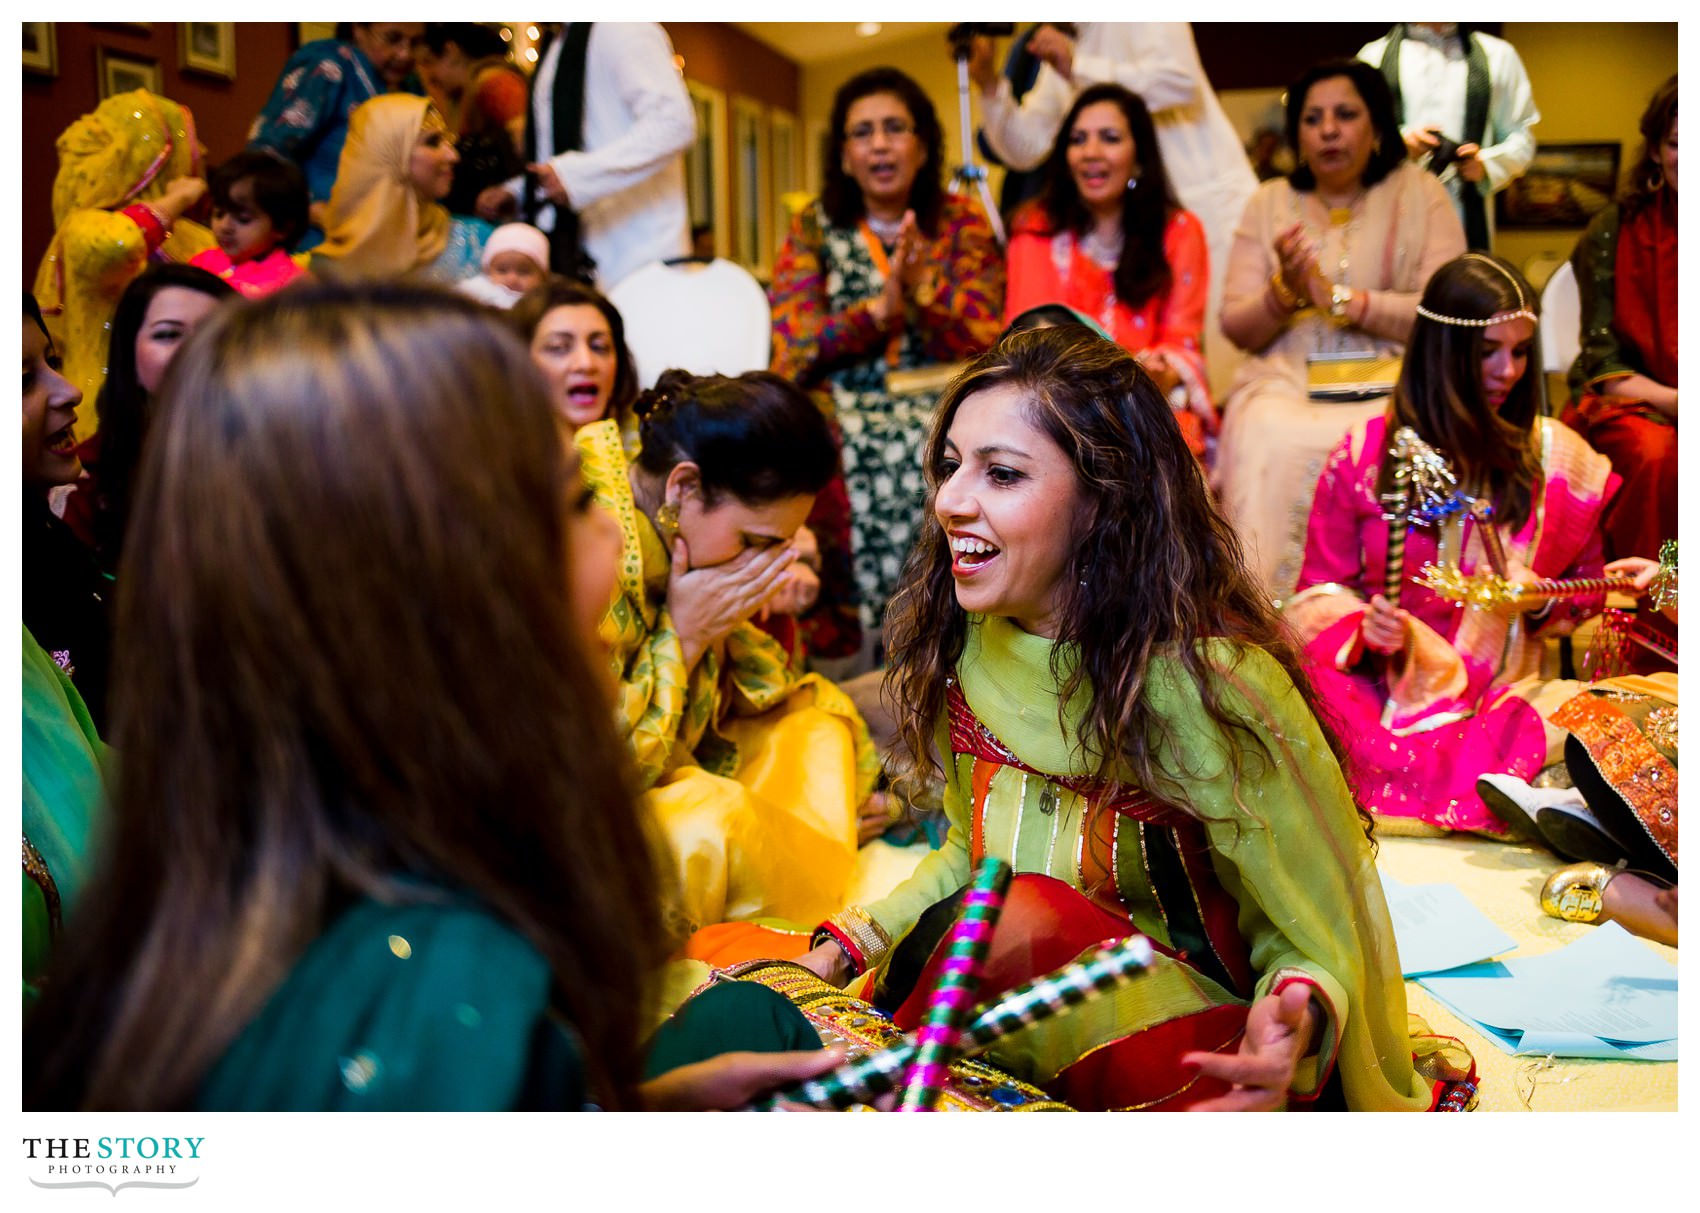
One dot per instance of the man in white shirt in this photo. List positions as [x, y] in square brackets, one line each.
[627, 184]
[1158, 61]
[1474, 91]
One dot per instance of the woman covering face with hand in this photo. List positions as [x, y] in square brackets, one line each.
[1122, 721]
[755, 773]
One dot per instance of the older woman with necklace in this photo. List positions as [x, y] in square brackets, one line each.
[1323, 283]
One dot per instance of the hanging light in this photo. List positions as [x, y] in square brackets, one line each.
[868, 29]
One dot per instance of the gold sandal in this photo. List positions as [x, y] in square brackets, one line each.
[1577, 893]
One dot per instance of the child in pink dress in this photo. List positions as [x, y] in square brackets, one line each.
[259, 212]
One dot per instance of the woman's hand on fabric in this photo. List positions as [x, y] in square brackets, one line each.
[317, 212]
[732, 1080]
[1385, 626]
[1278, 1032]
[828, 962]
[706, 604]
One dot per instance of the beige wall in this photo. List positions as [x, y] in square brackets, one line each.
[1591, 81]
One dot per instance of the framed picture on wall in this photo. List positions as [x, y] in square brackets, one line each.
[208, 47]
[706, 171]
[753, 230]
[41, 48]
[120, 72]
[1565, 185]
[788, 190]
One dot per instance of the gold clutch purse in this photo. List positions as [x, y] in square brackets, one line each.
[1352, 375]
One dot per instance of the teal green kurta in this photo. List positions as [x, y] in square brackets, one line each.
[62, 798]
[1285, 845]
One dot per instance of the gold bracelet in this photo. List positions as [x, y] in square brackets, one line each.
[1284, 294]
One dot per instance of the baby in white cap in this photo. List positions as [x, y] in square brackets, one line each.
[516, 258]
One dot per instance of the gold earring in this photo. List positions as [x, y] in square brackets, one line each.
[667, 521]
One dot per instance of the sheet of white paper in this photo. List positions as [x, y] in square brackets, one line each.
[1606, 995]
[1438, 928]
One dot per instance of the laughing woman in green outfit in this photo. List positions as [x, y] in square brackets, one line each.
[1123, 721]
[374, 846]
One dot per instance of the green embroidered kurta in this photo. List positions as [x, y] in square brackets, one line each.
[1288, 850]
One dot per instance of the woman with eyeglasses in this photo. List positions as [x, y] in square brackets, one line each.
[885, 272]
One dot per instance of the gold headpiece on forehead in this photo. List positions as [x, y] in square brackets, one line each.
[1523, 311]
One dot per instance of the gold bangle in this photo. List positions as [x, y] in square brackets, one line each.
[1284, 294]
[865, 933]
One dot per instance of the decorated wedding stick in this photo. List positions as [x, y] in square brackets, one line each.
[1662, 589]
[1424, 490]
[939, 1039]
[866, 1078]
[1488, 590]
[1481, 509]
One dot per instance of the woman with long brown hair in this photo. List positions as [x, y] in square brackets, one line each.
[374, 841]
[1123, 721]
[1433, 696]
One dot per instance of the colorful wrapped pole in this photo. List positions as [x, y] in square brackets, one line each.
[1489, 590]
[937, 1042]
[867, 1078]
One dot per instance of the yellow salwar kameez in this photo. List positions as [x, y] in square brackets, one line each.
[753, 771]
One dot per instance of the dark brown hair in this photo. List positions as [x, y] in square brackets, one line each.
[1646, 177]
[346, 670]
[1143, 270]
[1389, 151]
[1440, 392]
[756, 436]
[1154, 570]
[842, 197]
[559, 291]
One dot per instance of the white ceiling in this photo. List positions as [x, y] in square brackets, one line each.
[817, 41]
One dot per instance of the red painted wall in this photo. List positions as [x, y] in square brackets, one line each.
[222, 108]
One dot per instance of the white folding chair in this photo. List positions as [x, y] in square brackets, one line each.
[706, 317]
[1561, 320]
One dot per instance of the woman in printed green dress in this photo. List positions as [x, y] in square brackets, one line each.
[885, 272]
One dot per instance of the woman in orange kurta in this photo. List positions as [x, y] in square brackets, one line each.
[1108, 239]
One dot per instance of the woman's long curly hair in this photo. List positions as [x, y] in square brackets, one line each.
[1154, 568]
[1143, 270]
[1646, 177]
[1440, 394]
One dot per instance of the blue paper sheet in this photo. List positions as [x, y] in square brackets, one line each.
[1607, 995]
[1438, 928]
